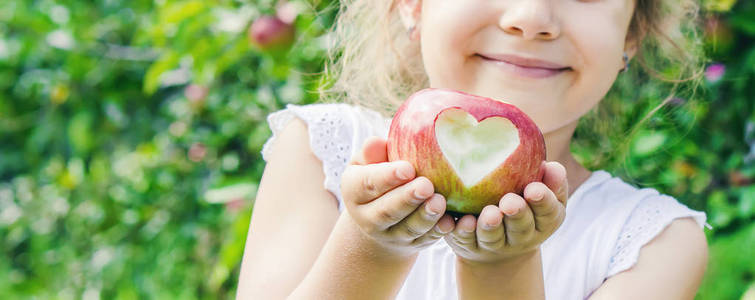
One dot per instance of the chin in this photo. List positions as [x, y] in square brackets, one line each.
[539, 110]
[546, 110]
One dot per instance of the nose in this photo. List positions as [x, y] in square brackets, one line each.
[530, 19]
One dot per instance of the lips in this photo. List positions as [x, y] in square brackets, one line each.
[527, 67]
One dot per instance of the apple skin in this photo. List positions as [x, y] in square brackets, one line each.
[270, 33]
[412, 138]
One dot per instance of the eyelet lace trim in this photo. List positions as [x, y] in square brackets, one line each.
[647, 220]
[334, 131]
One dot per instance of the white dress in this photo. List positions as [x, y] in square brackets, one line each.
[607, 220]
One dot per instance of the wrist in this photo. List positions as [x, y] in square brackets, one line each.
[350, 266]
[370, 245]
[519, 277]
[507, 262]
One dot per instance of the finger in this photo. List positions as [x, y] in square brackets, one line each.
[374, 150]
[398, 203]
[421, 220]
[548, 212]
[490, 233]
[518, 221]
[555, 179]
[364, 183]
[443, 227]
[463, 234]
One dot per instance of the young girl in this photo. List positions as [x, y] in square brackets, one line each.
[334, 219]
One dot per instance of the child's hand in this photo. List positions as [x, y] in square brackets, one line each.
[397, 210]
[526, 223]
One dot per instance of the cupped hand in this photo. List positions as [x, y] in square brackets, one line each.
[390, 204]
[518, 225]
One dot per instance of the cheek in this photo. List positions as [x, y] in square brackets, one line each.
[448, 32]
[601, 52]
[600, 46]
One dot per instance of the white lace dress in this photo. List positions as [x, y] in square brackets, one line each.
[607, 220]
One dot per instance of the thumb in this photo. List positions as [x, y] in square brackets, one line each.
[374, 150]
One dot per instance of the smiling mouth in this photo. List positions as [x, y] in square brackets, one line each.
[523, 70]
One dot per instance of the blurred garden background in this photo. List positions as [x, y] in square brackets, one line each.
[130, 138]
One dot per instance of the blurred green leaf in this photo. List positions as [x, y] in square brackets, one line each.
[118, 182]
[743, 20]
[722, 213]
[648, 142]
[80, 132]
[719, 5]
[731, 264]
[152, 78]
[177, 11]
[747, 202]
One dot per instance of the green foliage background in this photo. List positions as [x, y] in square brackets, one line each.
[114, 184]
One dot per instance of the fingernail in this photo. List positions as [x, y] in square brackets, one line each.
[510, 213]
[430, 211]
[441, 230]
[487, 226]
[538, 196]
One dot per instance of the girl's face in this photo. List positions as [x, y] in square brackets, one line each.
[554, 59]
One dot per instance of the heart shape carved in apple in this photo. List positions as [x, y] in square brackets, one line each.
[473, 149]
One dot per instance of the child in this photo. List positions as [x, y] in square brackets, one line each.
[334, 219]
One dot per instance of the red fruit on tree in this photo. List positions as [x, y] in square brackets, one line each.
[271, 33]
[196, 92]
[197, 152]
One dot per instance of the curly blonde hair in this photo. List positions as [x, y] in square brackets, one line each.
[368, 35]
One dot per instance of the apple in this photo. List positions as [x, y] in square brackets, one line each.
[197, 152]
[196, 94]
[270, 33]
[473, 149]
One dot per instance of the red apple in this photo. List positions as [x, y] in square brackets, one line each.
[196, 94]
[271, 33]
[197, 152]
[473, 149]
